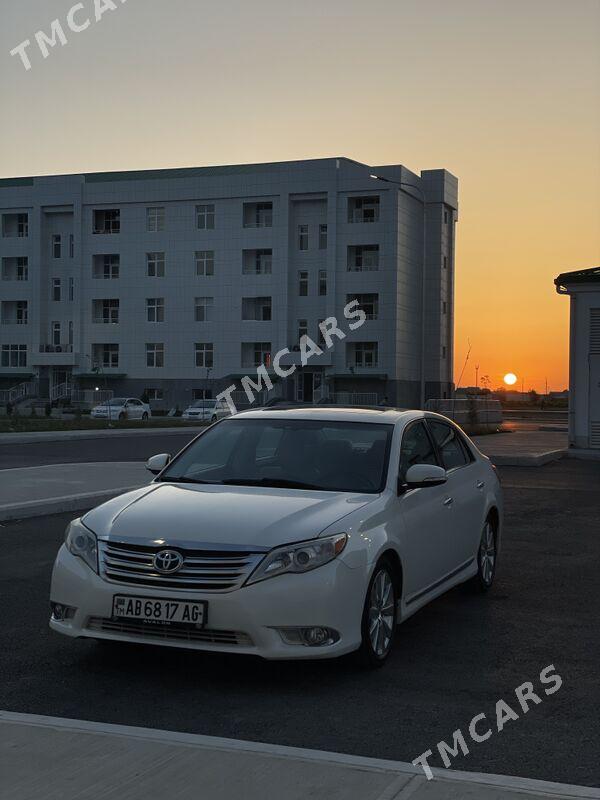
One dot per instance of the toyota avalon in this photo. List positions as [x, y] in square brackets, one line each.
[287, 533]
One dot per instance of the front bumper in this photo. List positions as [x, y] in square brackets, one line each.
[242, 621]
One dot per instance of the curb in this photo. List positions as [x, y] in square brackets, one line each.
[58, 505]
[507, 460]
[66, 436]
[546, 789]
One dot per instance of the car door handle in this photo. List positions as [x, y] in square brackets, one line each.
[448, 501]
[480, 484]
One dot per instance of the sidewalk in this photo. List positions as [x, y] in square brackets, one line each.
[523, 448]
[37, 491]
[59, 759]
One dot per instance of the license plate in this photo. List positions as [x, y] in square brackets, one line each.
[152, 609]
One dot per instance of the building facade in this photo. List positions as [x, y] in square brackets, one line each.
[583, 289]
[176, 283]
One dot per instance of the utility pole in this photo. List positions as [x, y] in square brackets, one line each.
[477, 376]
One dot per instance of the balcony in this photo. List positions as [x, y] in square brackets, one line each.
[54, 355]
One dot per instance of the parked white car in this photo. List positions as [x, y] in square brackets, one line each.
[287, 533]
[120, 408]
[207, 410]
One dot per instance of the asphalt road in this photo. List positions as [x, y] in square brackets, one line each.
[453, 660]
[110, 448]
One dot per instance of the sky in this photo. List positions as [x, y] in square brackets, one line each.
[505, 94]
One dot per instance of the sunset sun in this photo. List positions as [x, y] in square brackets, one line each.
[510, 379]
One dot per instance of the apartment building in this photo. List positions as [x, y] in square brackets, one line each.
[176, 283]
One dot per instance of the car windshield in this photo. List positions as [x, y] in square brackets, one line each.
[291, 453]
[117, 401]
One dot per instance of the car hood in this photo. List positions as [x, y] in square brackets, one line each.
[260, 517]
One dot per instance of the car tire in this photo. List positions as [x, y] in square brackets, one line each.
[122, 416]
[487, 558]
[145, 416]
[378, 630]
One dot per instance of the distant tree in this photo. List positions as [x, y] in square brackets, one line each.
[533, 397]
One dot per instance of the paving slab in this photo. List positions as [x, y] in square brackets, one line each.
[58, 758]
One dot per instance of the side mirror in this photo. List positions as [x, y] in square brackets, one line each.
[156, 464]
[422, 476]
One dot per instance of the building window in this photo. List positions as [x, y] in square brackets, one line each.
[362, 354]
[257, 262]
[369, 303]
[363, 209]
[322, 282]
[302, 237]
[108, 221]
[71, 289]
[446, 216]
[106, 355]
[56, 245]
[155, 355]
[15, 225]
[14, 355]
[320, 337]
[445, 262]
[106, 267]
[15, 269]
[303, 284]
[71, 246]
[205, 262]
[257, 308]
[323, 237]
[363, 258]
[258, 215]
[155, 309]
[155, 265]
[444, 307]
[21, 312]
[23, 269]
[204, 354]
[155, 219]
[106, 312]
[205, 217]
[203, 306]
[56, 334]
[202, 394]
[154, 394]
[444, 351]
[71, 333]
[262, 354]
[56, 290]
[302, 329]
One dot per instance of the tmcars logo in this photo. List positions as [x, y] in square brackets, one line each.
[481, 729]
[77, 20]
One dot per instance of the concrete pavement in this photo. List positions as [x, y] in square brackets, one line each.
[59, 758]
[36, 491]
[523, 448]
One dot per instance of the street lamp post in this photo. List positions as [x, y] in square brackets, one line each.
[423, 198]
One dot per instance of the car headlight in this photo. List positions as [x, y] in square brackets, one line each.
[82, 543]
[300, 557]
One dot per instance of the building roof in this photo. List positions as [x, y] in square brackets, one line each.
[591, 275]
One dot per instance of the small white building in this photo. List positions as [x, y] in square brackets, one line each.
[583, 287]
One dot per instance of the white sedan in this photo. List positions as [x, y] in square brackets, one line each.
[207, 410]
[121, 408]
[287, 533]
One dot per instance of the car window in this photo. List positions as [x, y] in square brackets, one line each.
[416, 449]
[449, 444]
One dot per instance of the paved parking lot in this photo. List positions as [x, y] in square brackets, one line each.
[453, 660]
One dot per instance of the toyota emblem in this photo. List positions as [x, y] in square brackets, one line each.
[168, 561]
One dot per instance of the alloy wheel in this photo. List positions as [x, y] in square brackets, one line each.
[487, 554]
[381, 617]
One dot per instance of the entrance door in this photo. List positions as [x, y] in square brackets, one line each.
[308, 387]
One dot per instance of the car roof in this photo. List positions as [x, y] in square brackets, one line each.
[378, 414]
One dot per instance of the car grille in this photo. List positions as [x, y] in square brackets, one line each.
[202, 570]
[175, 633]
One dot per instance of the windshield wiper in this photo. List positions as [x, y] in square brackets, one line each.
[278, 483]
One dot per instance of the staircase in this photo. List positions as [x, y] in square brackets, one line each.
[23, 391]
[60, 391]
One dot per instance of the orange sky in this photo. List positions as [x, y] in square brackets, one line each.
[505, 94]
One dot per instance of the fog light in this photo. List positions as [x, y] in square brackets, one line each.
[61, 612]
[318, 636]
